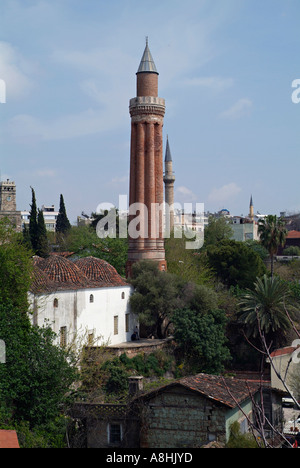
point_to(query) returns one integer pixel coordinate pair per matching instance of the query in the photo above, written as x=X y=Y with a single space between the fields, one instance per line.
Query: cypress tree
x=42 y=242
x=33 y=224
x=62 y=223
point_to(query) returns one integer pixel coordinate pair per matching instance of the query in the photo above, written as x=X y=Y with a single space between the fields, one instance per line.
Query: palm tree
x=265 y=307
x=272 y=233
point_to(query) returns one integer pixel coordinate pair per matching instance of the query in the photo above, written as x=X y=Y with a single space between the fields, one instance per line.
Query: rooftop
x=60 y=273
x=147 y=64
x=8 y=439
x=228 y=391
x=293 y=235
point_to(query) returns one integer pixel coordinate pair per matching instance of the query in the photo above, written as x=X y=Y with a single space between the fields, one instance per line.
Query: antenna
x=146 y=40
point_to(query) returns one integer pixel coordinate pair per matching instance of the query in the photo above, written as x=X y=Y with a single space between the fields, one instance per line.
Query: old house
x=195 y=410
x=85 y=298
x=189 y=412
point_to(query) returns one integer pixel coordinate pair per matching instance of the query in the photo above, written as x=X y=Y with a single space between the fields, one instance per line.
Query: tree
x=42 y=247
x=62 y=223
x=217 y=230
x=267 y=305
x=202 y=339
x=156 y=295
x=15 y=268
x=84 y=242
x=239 y=440
x=186 y=263
x=235 y=264
x=272 y=233
x=33 y=223
x=37 y=376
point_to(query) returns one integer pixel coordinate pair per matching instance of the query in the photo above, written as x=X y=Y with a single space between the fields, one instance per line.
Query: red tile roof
x=226 y=390
x=293 y=235
x=99 y=272
x=283 y=351
x=8 y=439
x=59 y=273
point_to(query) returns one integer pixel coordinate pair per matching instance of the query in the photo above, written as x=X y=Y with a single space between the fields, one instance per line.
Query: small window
x=91 y=298
x=55 y=303
x=123 y=295
x=63 y=336
x=115 y=433
x=116 y=325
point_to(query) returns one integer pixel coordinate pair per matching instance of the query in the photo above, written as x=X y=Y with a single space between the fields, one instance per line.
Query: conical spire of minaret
x=168 y=156
x=147 y=64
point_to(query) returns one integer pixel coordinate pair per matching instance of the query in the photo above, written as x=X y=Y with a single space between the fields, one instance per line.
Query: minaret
x=147 y=111
x=251 y=212
x=169 y=179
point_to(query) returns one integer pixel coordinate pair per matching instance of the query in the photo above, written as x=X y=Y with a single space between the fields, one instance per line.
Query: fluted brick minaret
x=147 y=111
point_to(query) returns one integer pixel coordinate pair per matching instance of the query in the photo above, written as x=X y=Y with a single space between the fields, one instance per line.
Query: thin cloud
x=185 y=195
x=240 y=109
x=15 y=71
x=224 y=194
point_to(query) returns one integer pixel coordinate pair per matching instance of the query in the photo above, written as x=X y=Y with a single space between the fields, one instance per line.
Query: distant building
x=244 y=229
x=50 y=217
x=8 y=204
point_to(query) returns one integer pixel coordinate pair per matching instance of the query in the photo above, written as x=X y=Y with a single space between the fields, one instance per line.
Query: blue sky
x=225 y=67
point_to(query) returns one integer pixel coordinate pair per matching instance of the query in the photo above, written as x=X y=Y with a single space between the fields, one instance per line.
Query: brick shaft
x=146 y=173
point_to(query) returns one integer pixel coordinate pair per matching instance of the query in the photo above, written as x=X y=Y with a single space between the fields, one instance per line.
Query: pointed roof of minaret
x=251 y=201
x=168 y=156
x=147 y=64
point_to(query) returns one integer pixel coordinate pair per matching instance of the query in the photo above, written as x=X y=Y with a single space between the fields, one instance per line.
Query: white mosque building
x=81 y=299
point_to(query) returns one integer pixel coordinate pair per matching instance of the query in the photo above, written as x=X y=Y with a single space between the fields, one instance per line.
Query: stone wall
x=180 y=418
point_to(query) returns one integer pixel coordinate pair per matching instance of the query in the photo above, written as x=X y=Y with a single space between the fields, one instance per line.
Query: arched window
x=91 y=298
x=55 y=303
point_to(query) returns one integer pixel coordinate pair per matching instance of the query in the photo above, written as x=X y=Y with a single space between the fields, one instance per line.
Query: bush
x=293 y=250
x=238 y=440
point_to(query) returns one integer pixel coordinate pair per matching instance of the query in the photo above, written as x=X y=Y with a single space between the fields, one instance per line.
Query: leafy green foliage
x=293 y=250
x=186 y=263
x=266 y=306
x=272 y=233
x=83 y=242
x=239 y=440
x=201 y=336
x=235 y=264
x=217 y=230
x=37 y=375
x=62 y=223
x=42 y=247
x=15 y=268
x=155 y=296
x=33 y=223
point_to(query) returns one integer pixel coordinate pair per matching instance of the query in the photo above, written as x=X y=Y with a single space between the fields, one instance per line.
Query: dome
x=99 y=272
x=40 y=281
x=62 y=271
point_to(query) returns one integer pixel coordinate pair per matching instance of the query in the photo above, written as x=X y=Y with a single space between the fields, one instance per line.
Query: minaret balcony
x=169 y=177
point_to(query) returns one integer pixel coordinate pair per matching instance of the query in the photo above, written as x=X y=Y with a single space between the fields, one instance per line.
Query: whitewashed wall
x=82 y=317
